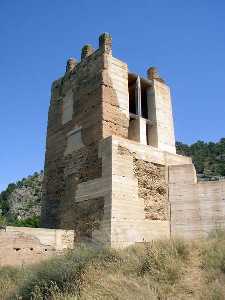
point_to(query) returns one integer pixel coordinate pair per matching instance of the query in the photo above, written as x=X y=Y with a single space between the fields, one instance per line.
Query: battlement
x=123 y=103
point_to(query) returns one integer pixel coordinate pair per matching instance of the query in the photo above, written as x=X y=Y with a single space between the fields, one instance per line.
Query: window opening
x=131 y=86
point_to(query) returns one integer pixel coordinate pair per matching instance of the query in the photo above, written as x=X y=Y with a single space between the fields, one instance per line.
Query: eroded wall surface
x=196 y=207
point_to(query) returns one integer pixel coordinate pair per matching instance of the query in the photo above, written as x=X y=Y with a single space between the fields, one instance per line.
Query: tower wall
x=71 y=149
x=89 y=103
x=115 y=98
x=161 y=133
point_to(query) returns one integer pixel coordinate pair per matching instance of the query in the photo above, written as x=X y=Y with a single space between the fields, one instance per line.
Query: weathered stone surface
x=152 y=188
x=88 y=217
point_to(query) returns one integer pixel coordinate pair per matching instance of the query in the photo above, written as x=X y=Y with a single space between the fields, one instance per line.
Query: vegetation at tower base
x=20 y=203
x=164 y=269
x=208 y=158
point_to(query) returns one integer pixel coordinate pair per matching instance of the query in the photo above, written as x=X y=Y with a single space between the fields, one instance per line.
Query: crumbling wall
x=88 y=217
x=84 y=163
x=80 y=166
x=152 y=189
x=152 y=186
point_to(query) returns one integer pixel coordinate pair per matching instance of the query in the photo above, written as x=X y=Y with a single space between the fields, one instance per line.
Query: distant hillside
x=208 y=158
x=20 y=203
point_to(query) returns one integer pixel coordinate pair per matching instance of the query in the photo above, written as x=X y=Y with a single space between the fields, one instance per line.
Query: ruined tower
x=110 y=144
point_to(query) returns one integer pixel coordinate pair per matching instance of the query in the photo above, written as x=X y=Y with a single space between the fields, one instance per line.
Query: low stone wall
x=23 y=245
x=196 y=207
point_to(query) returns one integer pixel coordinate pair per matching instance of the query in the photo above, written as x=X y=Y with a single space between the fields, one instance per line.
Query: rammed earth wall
x=78 y=120
x=197 y=208
x=23 y=245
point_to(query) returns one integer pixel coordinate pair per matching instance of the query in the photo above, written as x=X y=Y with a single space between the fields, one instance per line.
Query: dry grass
x=168 y=269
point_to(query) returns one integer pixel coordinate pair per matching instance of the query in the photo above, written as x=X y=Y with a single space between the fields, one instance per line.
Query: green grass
x=166 y=269
x=34 y=222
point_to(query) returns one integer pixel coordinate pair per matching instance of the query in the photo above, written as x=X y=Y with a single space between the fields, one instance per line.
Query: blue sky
x=184 y=39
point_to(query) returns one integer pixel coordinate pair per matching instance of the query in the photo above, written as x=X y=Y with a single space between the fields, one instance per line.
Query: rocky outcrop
x=23 y=201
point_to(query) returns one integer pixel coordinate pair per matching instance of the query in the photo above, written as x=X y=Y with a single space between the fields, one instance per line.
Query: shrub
x=167 y=269
x=164 y=260
x=213 y=253
x=34 y=222
x=63 y=274
x=10 y=279
x=2 y=221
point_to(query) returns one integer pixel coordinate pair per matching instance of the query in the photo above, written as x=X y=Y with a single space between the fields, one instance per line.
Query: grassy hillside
x=167 y=269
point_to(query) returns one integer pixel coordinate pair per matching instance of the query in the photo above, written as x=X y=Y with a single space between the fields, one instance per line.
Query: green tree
x=208 y=158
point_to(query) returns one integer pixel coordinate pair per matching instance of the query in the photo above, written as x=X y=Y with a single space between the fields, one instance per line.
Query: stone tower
x=93 y=180
x=110 y=144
